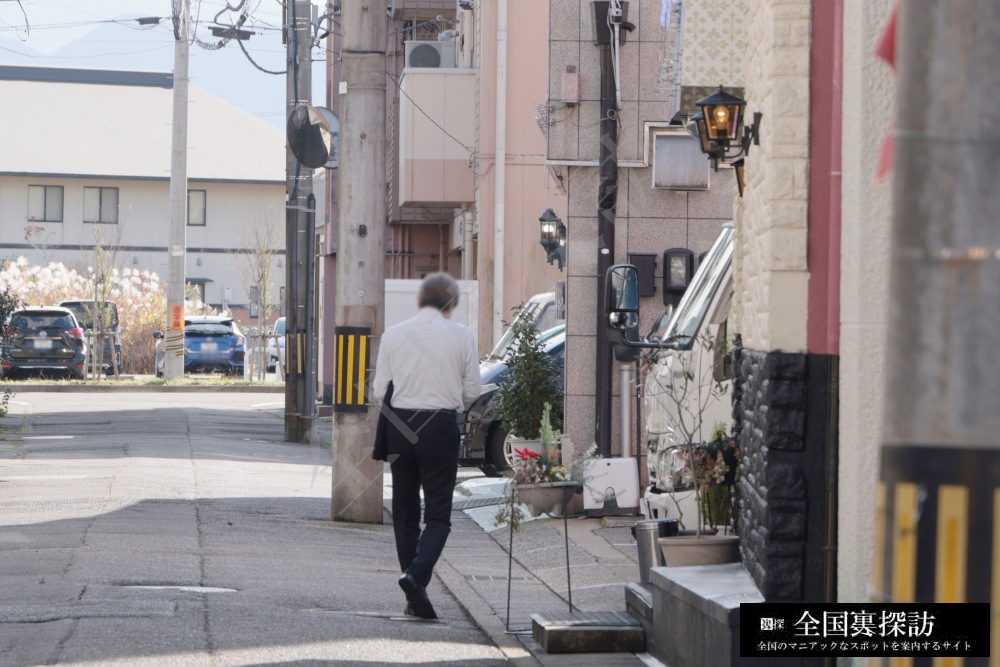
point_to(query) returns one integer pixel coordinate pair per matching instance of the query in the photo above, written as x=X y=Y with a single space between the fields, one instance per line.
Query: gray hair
x=439 y=290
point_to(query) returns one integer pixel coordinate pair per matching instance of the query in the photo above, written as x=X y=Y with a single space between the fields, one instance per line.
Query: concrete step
x=588 y=632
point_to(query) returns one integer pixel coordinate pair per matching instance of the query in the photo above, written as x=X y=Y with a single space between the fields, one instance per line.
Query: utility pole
x=173 y=344
x=941 y=449
x=300 y=403
x=360 y=317
x=607 y=198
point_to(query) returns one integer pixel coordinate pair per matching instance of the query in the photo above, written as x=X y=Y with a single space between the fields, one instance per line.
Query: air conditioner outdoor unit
x=430 y=54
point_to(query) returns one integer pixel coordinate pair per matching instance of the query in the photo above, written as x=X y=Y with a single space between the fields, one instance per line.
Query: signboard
x=176 y=318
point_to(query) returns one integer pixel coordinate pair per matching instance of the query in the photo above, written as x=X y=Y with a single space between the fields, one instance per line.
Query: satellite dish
x=313 y=136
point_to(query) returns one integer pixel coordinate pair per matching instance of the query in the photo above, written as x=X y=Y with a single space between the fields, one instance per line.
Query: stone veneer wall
x=772 y=273
x=782 y=424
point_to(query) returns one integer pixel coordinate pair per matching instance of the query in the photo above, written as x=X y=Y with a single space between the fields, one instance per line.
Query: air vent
x=431 y=55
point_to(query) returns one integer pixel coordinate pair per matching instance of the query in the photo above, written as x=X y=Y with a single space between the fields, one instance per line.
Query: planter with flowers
x=705 y=466
x=539 y=479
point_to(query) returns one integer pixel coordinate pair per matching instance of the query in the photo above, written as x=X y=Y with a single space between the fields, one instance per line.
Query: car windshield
x=279 y=326
x=209 y=329
x=687 y=321
x=83 y=311
x=36 y=321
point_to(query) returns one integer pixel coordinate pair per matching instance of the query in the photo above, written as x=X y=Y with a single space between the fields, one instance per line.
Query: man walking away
x=433 y=365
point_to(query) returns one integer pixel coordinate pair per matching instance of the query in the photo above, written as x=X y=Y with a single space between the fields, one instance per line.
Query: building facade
x=89 y=166
x=657 y=88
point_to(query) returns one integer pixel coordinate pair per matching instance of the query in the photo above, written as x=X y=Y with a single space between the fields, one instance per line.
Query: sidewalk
x=474 y=566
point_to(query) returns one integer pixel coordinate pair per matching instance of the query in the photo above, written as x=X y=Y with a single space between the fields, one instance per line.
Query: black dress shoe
x=417 y=597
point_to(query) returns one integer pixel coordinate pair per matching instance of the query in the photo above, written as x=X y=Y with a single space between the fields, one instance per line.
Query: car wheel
x=501 y=452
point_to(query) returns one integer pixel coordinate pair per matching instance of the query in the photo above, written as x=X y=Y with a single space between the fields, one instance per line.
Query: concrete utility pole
x=173 y=344
x=357 y=479
x=607 y=199
x=941 y=440
x=300 y=386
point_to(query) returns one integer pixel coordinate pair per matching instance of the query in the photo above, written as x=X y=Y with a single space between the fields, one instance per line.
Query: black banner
x=864 y=630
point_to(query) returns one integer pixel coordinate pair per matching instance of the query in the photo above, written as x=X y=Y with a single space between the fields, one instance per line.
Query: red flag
x=886 y=50
x=886 y=47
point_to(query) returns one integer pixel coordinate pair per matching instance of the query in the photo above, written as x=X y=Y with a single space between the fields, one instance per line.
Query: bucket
x=647 y=534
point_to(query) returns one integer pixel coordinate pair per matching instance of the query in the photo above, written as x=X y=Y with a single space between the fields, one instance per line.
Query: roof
x=111 y=124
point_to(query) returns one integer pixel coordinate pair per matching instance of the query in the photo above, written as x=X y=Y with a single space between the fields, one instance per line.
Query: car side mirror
x=157 y=334
x=622 y=297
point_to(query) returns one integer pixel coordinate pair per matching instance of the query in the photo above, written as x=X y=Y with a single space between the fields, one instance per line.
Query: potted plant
x=700 y=464
x=532 y=382
x=538 y=479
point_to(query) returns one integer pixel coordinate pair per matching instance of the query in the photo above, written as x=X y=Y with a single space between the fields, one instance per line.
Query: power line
x=458 y=141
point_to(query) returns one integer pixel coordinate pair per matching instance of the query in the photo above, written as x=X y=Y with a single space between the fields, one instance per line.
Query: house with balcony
x=86 y=162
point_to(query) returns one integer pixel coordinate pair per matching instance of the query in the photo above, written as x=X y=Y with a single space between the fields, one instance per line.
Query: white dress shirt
x=433 y=364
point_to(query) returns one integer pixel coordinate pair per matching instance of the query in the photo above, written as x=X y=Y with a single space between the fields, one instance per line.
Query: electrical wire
x=27 y=24
x=472 y=151
x=253 y=62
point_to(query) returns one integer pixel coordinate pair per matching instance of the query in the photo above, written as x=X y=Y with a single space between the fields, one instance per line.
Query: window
x=196 y=207
x=195 y=291
x=100 y=205
x=45 y=203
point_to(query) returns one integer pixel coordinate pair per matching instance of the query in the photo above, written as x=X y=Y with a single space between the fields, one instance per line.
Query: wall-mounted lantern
x=719 y=128
x=553 y=237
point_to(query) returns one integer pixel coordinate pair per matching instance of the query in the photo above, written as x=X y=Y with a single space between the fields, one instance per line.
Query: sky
x=103 y=34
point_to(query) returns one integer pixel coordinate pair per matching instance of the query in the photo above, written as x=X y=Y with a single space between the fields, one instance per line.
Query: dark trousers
x=431 y=464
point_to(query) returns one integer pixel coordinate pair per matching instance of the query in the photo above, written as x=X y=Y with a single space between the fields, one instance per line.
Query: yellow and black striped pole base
x=938 y=518
x=351 y=359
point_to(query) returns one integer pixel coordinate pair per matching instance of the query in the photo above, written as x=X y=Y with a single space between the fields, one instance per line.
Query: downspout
x=466 y=243
x=500 y=165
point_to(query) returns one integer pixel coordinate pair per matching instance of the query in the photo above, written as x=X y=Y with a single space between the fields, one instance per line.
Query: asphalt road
x=178 y=529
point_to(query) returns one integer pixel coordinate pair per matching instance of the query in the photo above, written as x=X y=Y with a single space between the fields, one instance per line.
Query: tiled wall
x=648 y=221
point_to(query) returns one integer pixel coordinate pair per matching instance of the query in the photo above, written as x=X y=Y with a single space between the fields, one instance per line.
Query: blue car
x=484 y=440
x=212 y=344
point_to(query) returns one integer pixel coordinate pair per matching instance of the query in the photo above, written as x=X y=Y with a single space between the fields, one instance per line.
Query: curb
x=483 y=615
x=111 y=387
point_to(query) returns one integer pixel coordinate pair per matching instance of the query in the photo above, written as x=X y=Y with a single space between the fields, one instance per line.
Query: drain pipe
x=500 y=165
x=466 y=243
x=625 y=401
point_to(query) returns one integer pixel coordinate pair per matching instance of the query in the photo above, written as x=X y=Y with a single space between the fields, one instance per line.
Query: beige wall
x=434 y=165
x=529 y=188
x=771 y=269
x=144 y=227
x=869 y=94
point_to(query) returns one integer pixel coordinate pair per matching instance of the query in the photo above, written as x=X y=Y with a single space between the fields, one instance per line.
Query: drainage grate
x=490 y=577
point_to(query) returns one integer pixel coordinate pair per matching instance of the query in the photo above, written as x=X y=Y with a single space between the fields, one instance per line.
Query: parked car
x=275 y=348
x=45 y=340
x=85 y=311
x=485 y=441
x=541 y=310
x=212 y=344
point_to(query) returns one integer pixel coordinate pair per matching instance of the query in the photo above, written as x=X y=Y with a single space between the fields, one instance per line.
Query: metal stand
x=567 y=491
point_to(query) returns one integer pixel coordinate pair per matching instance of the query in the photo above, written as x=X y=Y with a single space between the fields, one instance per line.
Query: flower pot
x=705 y=550
x=546 y=497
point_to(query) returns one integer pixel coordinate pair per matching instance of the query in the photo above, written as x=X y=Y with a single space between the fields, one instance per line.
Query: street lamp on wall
x=719 y=128
x=553 y=237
